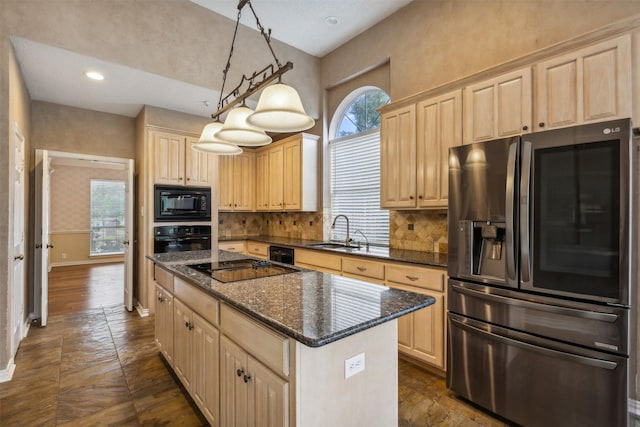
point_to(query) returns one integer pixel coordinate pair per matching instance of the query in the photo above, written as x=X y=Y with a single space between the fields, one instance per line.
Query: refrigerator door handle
x=555 y=309
x=525 y=185
x=584 y=360
x=509 y=208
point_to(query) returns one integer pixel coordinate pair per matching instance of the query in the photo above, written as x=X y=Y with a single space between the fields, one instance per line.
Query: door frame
x=128 y=165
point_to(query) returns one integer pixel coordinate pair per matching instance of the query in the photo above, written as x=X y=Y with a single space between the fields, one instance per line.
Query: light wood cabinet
x=176 y=163
x=287 y=175
x=498 y=107
x=236 y=182
x=587 y=85
x=439 y=127
x=258 y=249
x=197 y=346
x=421 y=334
x=262 y=181
x=164 y=323
x=238 y=246
x=398 y=158
x=414 y=156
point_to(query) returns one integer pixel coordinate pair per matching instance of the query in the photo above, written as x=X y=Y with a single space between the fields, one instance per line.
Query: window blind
x=355 y=188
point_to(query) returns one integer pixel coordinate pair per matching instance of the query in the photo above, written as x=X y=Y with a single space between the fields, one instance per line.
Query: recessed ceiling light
x=94 y=75
x=331 y=20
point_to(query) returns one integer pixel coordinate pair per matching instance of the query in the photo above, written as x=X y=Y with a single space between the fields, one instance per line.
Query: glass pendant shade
x=236 y=130
x=280 y=110
x=209 y=143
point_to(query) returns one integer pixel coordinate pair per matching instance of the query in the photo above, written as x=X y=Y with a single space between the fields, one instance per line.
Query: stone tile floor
x=101 y=367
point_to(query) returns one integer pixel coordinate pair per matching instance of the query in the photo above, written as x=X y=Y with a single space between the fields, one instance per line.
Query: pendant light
x=209 y=143
x=236 y=130
x=280 y=110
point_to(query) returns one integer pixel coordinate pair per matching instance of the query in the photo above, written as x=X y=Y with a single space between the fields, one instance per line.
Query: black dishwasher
x=281 y=254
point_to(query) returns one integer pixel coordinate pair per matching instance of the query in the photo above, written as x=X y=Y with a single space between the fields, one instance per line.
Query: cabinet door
x=243 y=180
x=439 y=122
x=233 y=389
x=164 y=323
x=398 y=158
x=225 y=183
x=268 y=400
x=276 y=178
x=200 y=169
x=428 y=332
x=182 y=342
x=262 y=180
x=292 y=175
x=589 y=85
x=205 y=362
x=169 y=158
x=498 y=107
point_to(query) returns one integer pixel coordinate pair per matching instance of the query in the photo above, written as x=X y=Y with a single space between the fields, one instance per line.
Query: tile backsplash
x=411 y=230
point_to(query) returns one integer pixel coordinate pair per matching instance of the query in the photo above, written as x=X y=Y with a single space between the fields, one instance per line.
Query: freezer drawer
x=591 y=325
x=534 y=381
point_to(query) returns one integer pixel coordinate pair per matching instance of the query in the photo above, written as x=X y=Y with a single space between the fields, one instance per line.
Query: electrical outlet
x=353 y=365
x=63 y=255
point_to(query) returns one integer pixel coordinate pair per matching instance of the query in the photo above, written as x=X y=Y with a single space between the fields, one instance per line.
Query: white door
x=41 y=230
x=18 y=288
x=129 y=191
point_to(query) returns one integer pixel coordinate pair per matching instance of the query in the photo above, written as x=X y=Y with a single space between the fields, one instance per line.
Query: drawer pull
x=412 y=278
x=361 y=268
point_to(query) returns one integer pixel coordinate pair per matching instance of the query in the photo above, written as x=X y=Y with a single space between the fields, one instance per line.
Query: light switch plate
x=353 y=365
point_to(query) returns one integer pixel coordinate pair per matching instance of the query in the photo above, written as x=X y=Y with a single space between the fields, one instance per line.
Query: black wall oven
x=180 y=238
x=175 y=203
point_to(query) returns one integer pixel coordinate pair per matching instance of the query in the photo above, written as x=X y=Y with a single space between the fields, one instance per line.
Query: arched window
x=354 y=150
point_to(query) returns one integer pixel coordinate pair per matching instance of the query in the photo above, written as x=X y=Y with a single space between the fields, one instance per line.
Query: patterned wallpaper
x=70 y=195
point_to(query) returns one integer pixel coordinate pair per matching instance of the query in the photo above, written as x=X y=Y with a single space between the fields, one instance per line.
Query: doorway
x=70 y=244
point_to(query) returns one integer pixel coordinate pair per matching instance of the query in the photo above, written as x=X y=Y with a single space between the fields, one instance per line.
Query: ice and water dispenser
x=481 y=250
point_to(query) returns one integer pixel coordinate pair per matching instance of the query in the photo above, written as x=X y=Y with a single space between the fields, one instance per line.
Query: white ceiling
x=56 y=75
x=302 y=23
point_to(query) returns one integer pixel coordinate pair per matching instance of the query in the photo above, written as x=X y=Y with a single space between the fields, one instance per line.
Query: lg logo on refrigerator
x=607 y=131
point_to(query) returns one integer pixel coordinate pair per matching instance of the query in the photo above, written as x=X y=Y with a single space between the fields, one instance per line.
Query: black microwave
x=174 y=203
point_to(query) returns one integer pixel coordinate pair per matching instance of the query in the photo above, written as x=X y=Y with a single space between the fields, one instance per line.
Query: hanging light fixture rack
x=268 y=73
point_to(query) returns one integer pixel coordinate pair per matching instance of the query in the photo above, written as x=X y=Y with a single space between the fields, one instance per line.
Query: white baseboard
x=634 y=407
x=143 y=312
x=7 y=374
x=84 y=262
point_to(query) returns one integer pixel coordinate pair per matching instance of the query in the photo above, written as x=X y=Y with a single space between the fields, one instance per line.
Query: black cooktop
x=241 y=269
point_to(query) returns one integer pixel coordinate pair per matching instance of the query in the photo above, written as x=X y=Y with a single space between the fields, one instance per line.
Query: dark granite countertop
x=311 y=307
x=434 y=259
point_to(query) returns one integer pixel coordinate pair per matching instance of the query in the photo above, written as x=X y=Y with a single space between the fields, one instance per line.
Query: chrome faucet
x=333 y=226
x=366 y=241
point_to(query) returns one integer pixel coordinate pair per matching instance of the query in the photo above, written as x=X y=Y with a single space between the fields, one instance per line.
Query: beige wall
x=430 y=43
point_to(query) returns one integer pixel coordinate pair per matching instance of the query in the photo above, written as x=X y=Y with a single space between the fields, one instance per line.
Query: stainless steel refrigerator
x=543 y=267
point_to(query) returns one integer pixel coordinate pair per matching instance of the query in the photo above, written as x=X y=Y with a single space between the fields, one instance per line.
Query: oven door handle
x=584 y=360
x=592 y=315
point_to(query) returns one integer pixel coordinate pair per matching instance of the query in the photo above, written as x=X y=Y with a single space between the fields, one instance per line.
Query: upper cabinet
x=498 y=107
x=588 y=85
x=287 y=175
x=236 y=182
x=176 y=163
x=415 y=142
x=398 y=158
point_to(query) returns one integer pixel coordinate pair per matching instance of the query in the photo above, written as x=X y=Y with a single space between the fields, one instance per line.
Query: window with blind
x=355 y=188
x=107 y=217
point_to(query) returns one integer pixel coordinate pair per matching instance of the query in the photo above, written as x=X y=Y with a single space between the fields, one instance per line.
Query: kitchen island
x=303 y=348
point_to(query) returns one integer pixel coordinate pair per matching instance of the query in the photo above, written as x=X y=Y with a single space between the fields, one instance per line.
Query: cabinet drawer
x=419 y=277
x=318 y=259
x=237 y=246
x=258 y=248
x=163 y=277
x=372 y=269
x=205 y=305
x=267 y=346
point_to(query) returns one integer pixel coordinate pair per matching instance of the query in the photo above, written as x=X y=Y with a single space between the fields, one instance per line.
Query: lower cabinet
x=164 y=323
x=250 y=393
x=196 y=359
